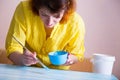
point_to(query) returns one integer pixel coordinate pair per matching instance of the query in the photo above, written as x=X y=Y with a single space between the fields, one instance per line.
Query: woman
x=44 y=26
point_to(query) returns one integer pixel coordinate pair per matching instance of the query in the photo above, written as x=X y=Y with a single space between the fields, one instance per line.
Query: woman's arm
x=25 y=59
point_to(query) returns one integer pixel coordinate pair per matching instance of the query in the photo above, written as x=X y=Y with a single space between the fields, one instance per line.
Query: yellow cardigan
x=29 y=29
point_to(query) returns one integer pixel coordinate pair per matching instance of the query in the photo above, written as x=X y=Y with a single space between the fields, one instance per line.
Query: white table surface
x=12 y=72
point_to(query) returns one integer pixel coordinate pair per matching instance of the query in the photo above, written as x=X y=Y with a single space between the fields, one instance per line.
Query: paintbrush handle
x=20 y=42
x=44 y=66
x=35 y=57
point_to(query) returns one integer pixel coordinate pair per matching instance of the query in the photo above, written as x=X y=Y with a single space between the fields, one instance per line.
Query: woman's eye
x=43 y=14
x=57 y=16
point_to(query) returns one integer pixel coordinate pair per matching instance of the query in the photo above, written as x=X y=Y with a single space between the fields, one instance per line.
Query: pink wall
x=7 y=8
x=102 y=20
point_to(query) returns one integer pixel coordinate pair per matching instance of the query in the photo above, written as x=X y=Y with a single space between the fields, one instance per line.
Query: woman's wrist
x=15 y=57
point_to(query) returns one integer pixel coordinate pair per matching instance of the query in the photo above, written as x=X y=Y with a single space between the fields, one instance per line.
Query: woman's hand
x=26 y=59
x=29 y=58
x=71 y=59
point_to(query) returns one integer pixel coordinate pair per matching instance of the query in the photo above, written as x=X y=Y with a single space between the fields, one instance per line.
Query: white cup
x=103 y=63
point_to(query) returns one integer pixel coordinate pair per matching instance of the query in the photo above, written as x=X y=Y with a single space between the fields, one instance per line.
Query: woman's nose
x=50 y=20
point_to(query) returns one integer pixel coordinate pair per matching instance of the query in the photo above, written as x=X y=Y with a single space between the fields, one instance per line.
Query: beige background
x=102 y=20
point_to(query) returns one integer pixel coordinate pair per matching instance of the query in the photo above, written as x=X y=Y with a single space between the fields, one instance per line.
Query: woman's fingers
x=71 y=59
x=69 y=62
x=28 y=62
x=28 y=53
x=29 y=58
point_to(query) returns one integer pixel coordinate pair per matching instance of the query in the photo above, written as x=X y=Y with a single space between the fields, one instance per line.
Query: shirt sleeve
x=18 y=29
x=76 y=44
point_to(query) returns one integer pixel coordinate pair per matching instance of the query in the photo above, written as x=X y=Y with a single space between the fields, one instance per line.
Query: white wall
x=102 y=20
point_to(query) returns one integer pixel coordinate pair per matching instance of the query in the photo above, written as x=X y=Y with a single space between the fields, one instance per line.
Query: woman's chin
x=49 y=26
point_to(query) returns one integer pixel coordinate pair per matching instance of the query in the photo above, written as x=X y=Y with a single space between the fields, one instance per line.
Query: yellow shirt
x=29 y=29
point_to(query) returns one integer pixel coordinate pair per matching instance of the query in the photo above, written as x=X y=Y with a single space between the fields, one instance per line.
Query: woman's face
x=50 y=19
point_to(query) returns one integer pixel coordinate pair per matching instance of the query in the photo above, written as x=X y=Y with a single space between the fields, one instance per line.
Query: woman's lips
x=49 y=25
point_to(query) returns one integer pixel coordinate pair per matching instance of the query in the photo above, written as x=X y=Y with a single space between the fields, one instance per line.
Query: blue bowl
x=58 y=57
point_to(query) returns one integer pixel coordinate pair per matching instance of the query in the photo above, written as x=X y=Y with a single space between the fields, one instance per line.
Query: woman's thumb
x=34 y=54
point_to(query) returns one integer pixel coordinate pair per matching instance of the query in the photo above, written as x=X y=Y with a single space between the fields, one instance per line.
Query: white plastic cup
x=103 y=63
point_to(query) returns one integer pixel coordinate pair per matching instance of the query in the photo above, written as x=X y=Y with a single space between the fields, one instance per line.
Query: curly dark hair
x=55 y=6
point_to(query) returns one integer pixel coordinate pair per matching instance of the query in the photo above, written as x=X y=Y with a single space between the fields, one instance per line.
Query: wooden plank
x=83 y=66
x=3 y=57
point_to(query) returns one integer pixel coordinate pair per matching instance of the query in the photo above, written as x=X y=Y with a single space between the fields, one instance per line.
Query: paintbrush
x=44 y=66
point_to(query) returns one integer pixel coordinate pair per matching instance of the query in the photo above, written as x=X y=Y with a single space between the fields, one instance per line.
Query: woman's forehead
x=44 y=10
x=47 y=11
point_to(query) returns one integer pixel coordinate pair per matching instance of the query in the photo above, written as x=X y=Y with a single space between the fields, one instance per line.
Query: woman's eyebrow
x=41 y=11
